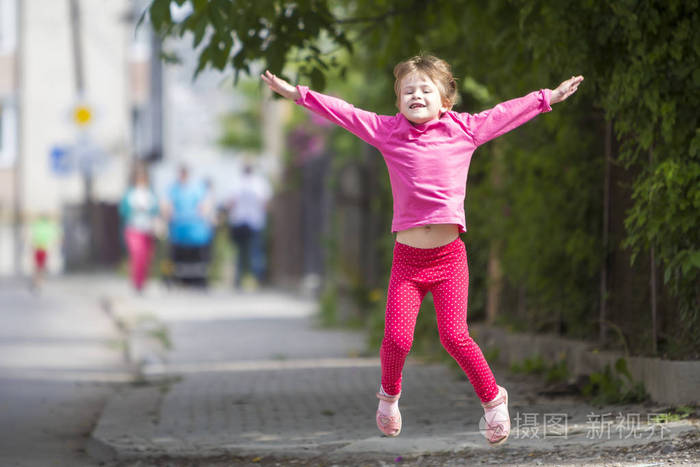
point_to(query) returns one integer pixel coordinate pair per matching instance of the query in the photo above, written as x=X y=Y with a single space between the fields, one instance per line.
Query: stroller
x=186 y=265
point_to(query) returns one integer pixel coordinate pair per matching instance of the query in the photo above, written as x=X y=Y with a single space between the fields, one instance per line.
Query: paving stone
x=255 y=375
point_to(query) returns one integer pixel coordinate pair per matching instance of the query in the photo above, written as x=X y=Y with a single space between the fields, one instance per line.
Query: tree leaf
x=160 y=14
x=318 y=79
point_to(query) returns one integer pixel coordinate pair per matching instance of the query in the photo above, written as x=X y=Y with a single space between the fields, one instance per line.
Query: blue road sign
x=61 y=160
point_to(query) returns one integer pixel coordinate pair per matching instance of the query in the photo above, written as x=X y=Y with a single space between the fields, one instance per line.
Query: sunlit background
x=583 y=225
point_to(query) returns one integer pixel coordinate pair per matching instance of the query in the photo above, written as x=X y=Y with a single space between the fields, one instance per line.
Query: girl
x=427 y=148
x=139 y=210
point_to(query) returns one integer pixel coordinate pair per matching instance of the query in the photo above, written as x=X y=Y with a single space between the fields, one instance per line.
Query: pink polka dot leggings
x=444 y=272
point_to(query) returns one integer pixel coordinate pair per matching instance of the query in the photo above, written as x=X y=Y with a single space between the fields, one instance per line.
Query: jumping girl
x=427 y=148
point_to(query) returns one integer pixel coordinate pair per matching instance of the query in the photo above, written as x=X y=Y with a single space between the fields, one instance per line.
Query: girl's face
x=420 y=100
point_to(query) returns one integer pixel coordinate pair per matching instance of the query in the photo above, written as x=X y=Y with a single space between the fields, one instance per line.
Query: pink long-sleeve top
x=427 y=163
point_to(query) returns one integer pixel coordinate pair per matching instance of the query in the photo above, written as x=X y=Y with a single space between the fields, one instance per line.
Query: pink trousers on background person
x=444 y=272
x=140 y=246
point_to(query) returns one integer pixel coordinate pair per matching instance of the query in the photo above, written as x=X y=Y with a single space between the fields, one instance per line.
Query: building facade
x=59 y=58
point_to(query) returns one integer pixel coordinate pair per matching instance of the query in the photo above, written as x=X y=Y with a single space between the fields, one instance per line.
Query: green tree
x=640 y=60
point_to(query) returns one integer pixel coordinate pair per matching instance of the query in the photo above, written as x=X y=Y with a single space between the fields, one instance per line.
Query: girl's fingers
x=268 y=77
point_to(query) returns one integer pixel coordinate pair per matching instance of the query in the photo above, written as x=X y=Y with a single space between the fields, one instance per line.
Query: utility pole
x=77 y=47
x=156 y=98
x=79 y=75
x=19 y=160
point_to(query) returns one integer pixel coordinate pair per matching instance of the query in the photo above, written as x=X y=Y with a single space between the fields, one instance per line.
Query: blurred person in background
x=188 y=209
x=247 y=205
x=44 y=233
x=209 y=213
x=139 y=212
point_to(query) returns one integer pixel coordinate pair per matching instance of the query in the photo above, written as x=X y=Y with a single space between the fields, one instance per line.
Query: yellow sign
x=82 y=115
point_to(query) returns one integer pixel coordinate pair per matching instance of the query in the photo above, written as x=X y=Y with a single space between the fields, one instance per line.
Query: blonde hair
x=438 y=70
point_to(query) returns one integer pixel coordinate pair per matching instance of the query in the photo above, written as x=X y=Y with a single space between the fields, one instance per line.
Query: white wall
x=49 y=94
x=46 y=99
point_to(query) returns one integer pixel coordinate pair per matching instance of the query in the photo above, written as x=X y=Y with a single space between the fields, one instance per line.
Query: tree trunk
x=495 y=281
x=652 y=280
x=495 y=273
x=606 y=228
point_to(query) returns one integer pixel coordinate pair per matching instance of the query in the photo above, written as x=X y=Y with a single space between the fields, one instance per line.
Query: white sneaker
x=495 y=424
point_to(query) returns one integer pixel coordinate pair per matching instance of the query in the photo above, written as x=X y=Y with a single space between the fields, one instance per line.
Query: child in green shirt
x=44 y=233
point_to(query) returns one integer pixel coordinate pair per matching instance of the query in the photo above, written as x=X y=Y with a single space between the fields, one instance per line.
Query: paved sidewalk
x=250 y=376
x=59 y=364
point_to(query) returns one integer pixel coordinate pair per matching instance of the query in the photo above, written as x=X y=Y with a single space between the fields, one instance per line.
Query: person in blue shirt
x=188 y=209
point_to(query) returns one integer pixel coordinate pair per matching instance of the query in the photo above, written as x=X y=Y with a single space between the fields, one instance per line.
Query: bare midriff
x=428 y=236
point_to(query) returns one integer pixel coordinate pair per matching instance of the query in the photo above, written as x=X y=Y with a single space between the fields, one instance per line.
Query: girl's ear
x=446 y=104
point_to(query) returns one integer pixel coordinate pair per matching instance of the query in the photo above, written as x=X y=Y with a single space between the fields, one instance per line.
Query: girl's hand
x=565 y=89
x=280 y=86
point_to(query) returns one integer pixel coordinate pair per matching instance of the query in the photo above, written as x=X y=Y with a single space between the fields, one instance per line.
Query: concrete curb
x=144 y=441
x=119 y=413
x=144 y=336
x=666 y=381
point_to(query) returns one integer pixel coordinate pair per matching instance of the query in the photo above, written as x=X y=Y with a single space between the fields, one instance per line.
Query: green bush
x=530 y=365
x=614 y=386
x=535 y=364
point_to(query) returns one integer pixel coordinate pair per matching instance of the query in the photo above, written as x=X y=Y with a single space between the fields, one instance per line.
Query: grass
x=677 y=414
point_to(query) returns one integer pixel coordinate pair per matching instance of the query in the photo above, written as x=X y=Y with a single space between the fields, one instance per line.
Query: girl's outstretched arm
x=280 y=86
x=508 y=115
x=565 y=89
x=366 y=125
